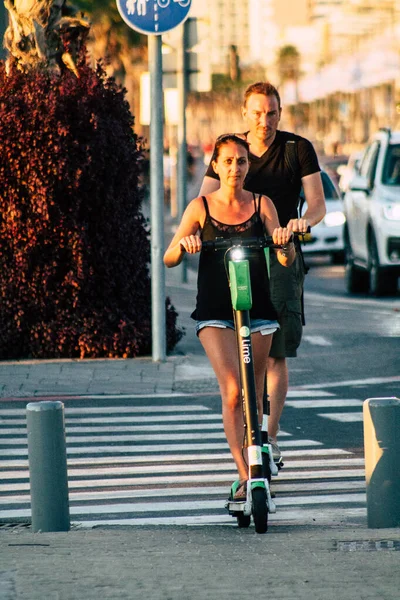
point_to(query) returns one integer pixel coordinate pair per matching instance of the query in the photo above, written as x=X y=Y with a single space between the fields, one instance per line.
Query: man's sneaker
x=276 y=453
x=241 y=492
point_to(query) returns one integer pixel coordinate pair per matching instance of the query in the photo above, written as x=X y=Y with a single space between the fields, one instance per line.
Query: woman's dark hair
x=229 y=137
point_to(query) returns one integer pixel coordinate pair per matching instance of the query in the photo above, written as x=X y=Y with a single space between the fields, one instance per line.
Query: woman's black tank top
x=213 y=294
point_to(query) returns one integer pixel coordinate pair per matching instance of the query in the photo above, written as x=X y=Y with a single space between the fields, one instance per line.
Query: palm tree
x=288 y=64
x=123 y=50
x=288 y=61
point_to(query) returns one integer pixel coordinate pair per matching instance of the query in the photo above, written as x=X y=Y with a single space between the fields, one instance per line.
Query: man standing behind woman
x=273 y=174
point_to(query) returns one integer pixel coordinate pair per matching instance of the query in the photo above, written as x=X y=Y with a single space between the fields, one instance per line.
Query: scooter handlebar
x=256 y=243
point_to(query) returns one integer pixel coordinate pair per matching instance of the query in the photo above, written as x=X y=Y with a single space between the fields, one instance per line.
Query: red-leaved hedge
x=74 y=248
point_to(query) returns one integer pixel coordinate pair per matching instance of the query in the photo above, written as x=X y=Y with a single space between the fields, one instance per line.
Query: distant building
x=348 y=77
x=228 y=25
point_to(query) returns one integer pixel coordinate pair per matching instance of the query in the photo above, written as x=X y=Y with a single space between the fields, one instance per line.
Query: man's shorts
x=286 y=284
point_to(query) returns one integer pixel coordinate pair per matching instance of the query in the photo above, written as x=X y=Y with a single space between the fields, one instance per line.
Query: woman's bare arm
x=185 y=238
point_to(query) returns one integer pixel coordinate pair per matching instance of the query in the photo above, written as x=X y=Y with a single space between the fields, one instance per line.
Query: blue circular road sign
x=153 y=16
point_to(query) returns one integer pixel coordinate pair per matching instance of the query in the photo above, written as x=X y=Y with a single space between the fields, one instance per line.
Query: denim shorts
x=264 y=326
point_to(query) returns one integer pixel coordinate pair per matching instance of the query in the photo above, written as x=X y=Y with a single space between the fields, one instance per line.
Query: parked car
x=372 y=209
x=327 y=236
x=348 y=171
x=333 y=165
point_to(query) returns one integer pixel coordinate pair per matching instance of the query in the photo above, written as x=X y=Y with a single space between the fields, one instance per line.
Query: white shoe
x=276 y=453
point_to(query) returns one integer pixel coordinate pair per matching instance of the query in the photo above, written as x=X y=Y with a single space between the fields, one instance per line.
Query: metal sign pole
x=155 y=18
x=158 y=319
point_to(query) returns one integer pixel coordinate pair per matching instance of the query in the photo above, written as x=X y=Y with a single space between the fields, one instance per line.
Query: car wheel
x=356 y=279
x=381 y=282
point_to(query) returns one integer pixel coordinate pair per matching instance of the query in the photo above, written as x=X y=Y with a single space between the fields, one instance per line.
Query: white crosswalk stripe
x=317 y=340
x=119 y=473
x=330 y=403
x=349 y=417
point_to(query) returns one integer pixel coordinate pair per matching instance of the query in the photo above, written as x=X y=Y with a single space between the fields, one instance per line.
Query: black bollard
x=382 y=451
x=48 y=466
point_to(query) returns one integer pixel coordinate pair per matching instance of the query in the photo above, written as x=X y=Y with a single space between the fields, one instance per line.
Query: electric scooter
x=258 y=503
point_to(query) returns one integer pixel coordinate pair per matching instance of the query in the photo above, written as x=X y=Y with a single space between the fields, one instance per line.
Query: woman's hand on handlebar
x=283 y=237
x=191 y=244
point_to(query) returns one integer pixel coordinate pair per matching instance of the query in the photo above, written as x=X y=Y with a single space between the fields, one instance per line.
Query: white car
x=327 y=236
x=372 y=209
x=348 y=171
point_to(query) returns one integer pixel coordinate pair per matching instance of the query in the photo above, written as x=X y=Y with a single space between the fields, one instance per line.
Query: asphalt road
x=350 y=349
x=346 y=337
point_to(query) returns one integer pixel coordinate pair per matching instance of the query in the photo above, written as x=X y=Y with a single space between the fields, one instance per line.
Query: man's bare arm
x=315 y=198
x=209 y=185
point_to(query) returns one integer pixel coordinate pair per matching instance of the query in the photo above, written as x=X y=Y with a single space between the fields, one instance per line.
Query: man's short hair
x=261 y=87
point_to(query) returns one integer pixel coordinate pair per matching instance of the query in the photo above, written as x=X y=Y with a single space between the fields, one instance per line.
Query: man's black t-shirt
x=270 y=175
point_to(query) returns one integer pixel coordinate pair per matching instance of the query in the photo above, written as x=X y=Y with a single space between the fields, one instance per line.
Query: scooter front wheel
x=260 y=509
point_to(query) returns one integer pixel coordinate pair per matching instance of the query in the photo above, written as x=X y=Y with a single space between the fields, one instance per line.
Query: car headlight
x=392 y=212
x=334 y=219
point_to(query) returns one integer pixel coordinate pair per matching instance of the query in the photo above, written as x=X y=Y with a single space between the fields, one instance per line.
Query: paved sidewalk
x=186 y=369
x=200 y=563
x=88 y=378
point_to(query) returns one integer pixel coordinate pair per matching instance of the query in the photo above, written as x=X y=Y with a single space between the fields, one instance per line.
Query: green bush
x=74 y=248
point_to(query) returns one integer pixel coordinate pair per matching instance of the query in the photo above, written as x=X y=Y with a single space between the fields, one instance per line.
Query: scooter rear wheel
x=243 y=521
x=260 y=509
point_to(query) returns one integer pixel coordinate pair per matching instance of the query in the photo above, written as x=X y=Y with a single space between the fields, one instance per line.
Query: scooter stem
x=246 y=366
